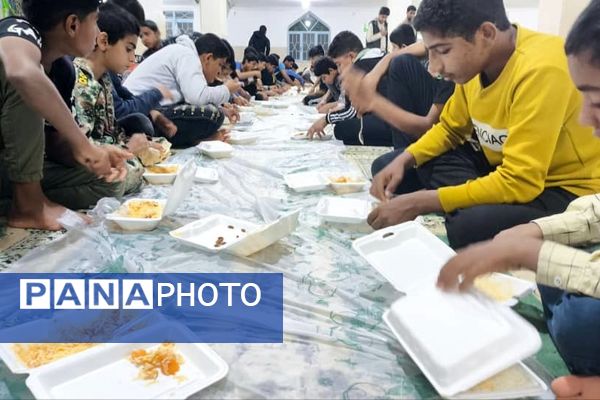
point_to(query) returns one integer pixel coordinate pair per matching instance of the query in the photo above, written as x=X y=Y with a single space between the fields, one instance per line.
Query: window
x=306 y=32
x=179 y=22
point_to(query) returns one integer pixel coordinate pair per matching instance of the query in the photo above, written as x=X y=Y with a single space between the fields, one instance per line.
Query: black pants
x=194 y=124
x=375 y=131
x=475 y=224
x=137 y=123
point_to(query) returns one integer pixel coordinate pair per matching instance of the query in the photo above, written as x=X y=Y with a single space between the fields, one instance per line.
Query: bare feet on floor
x=31 y=209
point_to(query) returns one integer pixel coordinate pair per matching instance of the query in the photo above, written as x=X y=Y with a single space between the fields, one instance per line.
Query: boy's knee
x=576 y=334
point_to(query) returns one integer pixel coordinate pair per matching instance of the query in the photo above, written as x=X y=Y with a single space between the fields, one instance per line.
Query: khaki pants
x=22 y=143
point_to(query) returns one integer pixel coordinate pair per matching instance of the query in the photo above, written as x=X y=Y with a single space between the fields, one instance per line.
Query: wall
x=524 y=16
x=242 y=21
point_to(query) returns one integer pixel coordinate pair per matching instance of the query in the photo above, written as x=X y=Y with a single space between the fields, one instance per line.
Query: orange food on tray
x=164 y=359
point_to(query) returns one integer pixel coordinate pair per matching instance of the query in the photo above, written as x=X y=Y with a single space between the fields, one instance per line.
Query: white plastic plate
x=136 y=224
x=205 y=233
x=356 y=183
x=161 y=179
x=407 y=255
x=206 y=175
x=516 y=382
x=344 y=211
x=216 y=149
x=306 y=181
x=243 y=137
x=459 y=340
x=107 y=373
x=246 y=117
x=304 y=136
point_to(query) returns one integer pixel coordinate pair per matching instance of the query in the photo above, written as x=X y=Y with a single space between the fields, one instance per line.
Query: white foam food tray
x=240 y=138
x=304 y=136
x=106 y=373
x=206 y=175
x=136 y=224
x=459 y=340
x=14 y=363
x=220 y=233
x=306 y=181
x=216 y=149
x=344 y=211
x=161 y=179
x=410 y=257
x=353 y=183
x=516 y=382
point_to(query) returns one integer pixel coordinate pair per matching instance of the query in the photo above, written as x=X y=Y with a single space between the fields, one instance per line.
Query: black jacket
x=260 y=42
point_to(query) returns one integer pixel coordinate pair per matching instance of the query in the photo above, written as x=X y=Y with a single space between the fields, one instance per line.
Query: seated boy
x=92 y=95
x=187 y=69
x=28 y=95
x=569 y=278
x=538 y=158
x=413 y=103
x=326 y=71
x=347 y=50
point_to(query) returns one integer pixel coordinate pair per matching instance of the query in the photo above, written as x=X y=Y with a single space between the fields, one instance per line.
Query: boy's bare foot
x=31 y=209
x=164 y=124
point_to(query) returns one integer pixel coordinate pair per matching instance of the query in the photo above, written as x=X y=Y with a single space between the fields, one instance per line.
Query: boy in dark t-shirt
x=27 y=96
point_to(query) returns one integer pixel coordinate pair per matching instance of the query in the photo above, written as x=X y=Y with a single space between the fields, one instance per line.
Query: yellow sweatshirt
x=527 y=124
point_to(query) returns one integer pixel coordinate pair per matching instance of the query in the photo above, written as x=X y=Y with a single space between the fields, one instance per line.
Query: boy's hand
x=166 y=93
x=231 y=112
x=118 y=157
x=233 y=86
x=387 y=180
x=102 y=161
x=139 y=142
x=240 y=101
x=499 y=255
x=318 y=128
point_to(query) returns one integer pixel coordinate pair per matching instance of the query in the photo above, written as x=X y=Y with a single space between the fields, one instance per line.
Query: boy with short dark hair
x=568 y=278
x=93 y=99
x=347 y=50
x=326 y=70
x=27 y=95
x=377 y=31
x=187 y=69
x=536 y=158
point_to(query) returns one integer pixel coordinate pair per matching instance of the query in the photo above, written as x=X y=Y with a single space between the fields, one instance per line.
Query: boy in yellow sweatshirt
x=515 y=98
x=568 y=278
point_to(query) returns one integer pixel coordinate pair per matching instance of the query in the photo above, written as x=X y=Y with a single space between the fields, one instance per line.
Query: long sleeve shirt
x=565 y=267
x=127 y=103
x=527 y=124
x=178 y=68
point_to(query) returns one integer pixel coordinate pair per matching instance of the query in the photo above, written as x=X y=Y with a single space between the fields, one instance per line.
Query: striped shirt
x=565 y=267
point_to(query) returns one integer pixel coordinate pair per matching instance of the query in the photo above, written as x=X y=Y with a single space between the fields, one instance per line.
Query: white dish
x=14 y=363
x=344 y=211
x=205 y=233
x=179 y=191
x=304 y=136
x=355 y=184
x=136 y=224
x=264 y=111
x=459 y=340
x=239 y=237
x=407 y=255
x=306 y=182
x=216 y=149
x=241 y=138
x=246 y=117
x=206 y=175
x=246 y=108
x=106 y=373
x=161 y=179
x=516 y=382
x=275 y=104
